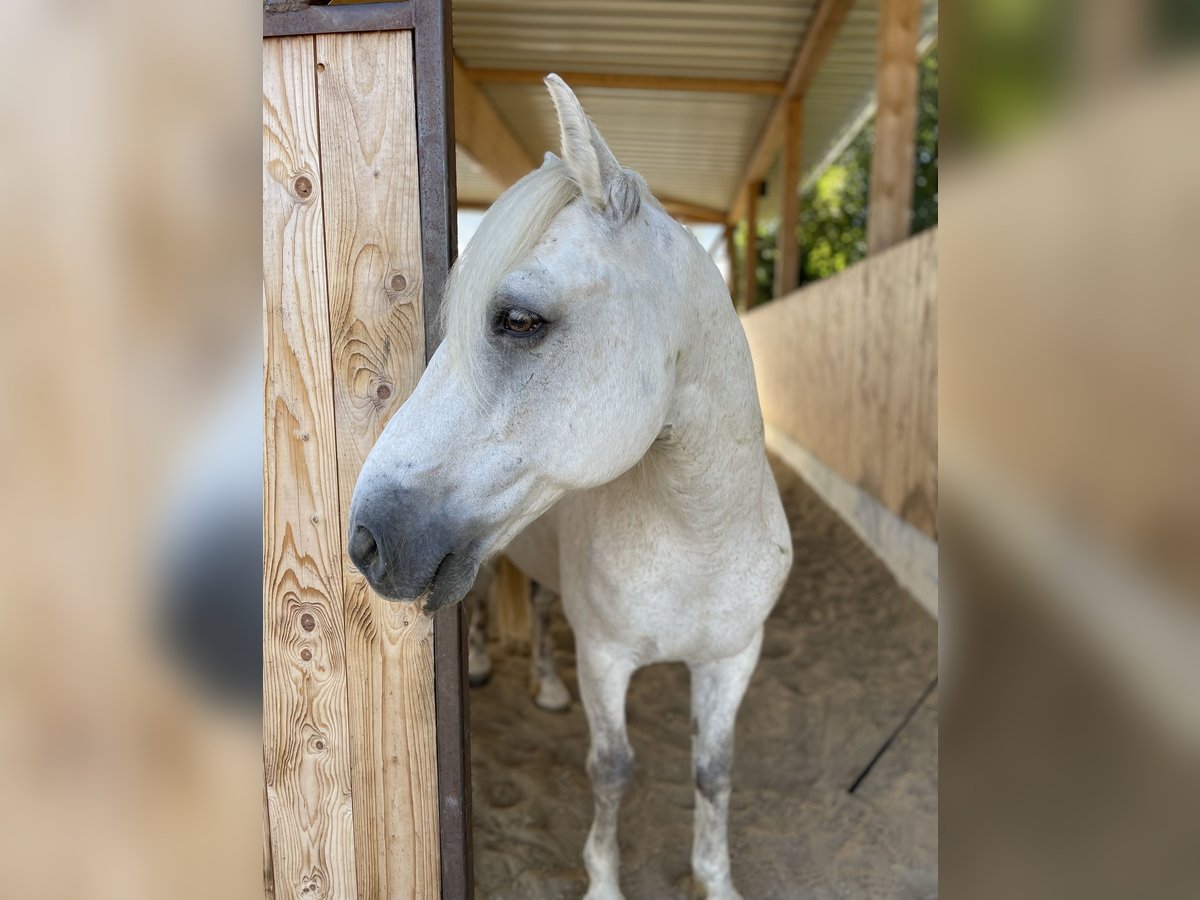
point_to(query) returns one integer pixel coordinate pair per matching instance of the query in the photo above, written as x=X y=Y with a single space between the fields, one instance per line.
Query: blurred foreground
x=1069 y=430
x=130 y=191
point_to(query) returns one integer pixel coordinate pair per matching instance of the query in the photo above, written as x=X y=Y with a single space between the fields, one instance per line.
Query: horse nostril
x=363 y=549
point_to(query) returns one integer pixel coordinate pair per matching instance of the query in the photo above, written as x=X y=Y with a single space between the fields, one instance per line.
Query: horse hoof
x=553 y=696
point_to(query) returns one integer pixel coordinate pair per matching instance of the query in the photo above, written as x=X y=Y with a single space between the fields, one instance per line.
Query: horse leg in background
x=479 y=664
x=717 y=691
x=604 y=674
x=547 y=687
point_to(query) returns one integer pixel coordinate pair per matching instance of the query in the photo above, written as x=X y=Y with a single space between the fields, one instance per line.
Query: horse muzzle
x=411 y=551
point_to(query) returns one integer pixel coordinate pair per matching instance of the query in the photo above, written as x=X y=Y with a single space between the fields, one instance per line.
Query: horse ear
x=588 y=158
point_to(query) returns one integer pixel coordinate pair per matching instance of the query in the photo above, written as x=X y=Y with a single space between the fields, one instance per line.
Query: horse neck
x=710 y=458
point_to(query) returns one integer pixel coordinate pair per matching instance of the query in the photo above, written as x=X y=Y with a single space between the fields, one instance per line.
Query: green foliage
x=832 y=225
x=925 y=188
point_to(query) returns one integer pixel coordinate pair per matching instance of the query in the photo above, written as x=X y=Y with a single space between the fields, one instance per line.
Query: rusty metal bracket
x=289 y=17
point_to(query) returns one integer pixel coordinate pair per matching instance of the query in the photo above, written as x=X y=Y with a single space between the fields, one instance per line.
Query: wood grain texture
x=268 y=862
x=847 y=369
x=889 y=207
x=305 y=717
x=373 y=234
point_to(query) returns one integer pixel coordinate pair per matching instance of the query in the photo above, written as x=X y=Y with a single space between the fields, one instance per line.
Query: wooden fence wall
x=349 y=732
x=847 y=370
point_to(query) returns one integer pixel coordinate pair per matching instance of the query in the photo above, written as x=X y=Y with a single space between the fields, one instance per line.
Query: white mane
x=510 y=230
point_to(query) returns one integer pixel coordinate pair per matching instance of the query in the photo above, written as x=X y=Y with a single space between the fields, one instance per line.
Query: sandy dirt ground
x=848 y=668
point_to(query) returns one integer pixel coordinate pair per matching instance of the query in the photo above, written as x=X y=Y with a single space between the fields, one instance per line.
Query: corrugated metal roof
x=702 y=38
x=690 y=146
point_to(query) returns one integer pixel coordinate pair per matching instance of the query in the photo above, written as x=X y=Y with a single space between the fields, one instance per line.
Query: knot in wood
x=302 y=186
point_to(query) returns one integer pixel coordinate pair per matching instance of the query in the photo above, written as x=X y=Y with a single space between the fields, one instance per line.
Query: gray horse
x=593 y=410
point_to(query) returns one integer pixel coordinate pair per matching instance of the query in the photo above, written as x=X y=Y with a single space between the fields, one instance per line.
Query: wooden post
x=372 y=205
x=731 y=276
x=889 y=211
x=365 y=741
x=750 y=269
x=509 y=606
x=787 y=254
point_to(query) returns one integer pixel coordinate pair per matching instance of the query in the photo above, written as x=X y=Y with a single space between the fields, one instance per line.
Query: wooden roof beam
x=679 y=209
x=482 y=133
x=691 y=212
x=632 y=82
x=822 y=29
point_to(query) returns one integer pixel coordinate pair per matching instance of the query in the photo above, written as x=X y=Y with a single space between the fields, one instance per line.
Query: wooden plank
x=818 y=38
x=750 y=268
x=631 y=82
x=305 y=718
x=373 y=238
x=787 y=258
x=481 y=132
x=847 y=370
x=889 y=208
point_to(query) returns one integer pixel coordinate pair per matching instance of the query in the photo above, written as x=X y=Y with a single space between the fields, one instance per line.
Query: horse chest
x=653 y=589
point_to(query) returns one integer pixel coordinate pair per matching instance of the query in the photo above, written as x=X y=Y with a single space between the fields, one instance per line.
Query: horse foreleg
x=717 y=691
x=603 y=683
x=549 y=692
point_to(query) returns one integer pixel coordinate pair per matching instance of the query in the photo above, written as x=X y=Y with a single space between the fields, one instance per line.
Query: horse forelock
x=508 y=233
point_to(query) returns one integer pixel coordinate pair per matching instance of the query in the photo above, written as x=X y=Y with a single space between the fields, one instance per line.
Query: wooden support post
x=787 y=253
x=365 y=741
x=750 y=269
x=731 y=275
x=509 y=606
x=889 y=210
x=822 y=30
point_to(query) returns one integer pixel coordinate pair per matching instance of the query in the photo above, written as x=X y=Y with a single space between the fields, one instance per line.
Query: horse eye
x=520 y=321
